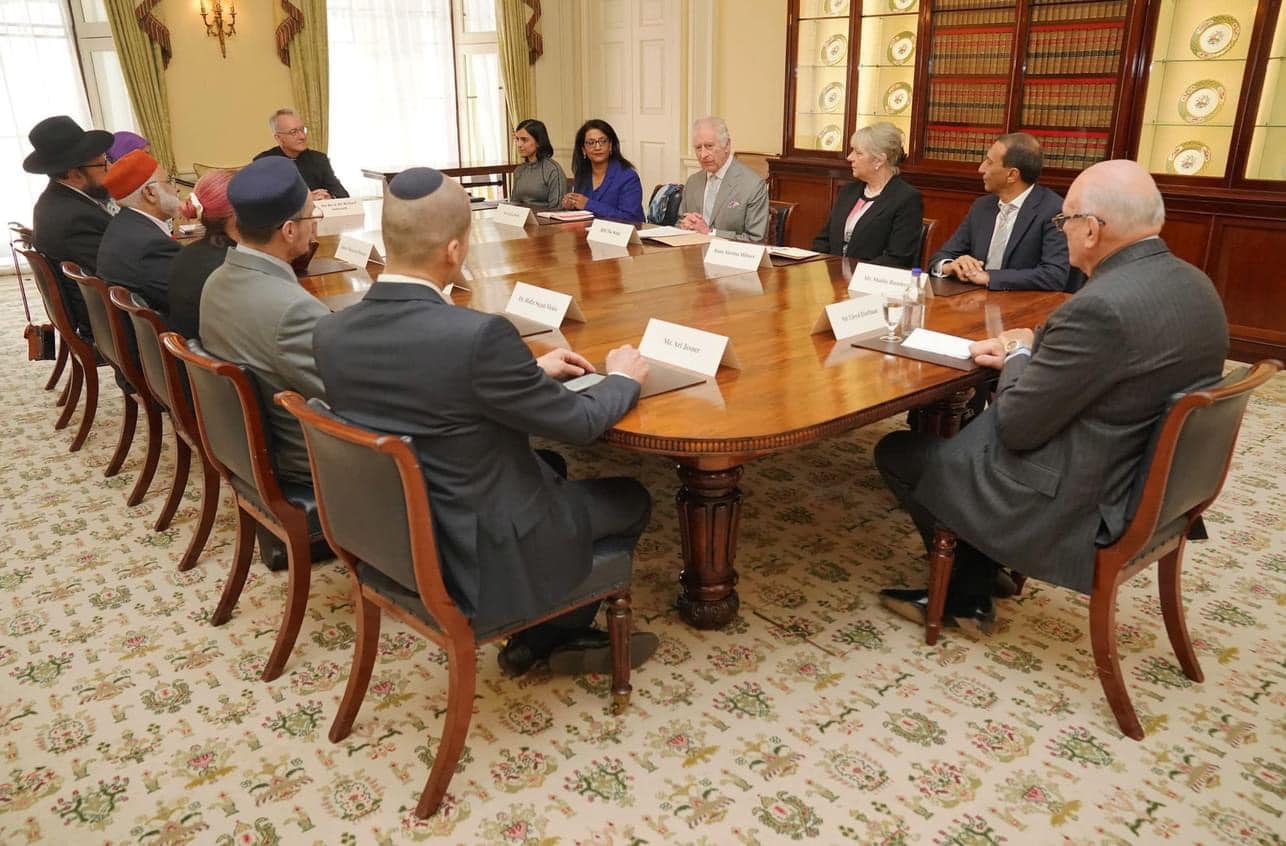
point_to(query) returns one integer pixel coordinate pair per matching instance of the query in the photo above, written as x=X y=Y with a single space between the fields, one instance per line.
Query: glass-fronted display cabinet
x=822 y=54
x=1267 y=159
x=886 y=62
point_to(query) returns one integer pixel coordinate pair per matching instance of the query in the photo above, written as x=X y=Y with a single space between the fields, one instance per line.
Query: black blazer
x=888 y=234
x=1036 y=255
x=69 y=226
x=466 y=389
x=136 y=254
x=192 y=266
x=315 y=168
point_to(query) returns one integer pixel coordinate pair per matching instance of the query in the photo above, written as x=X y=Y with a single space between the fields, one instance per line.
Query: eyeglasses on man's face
x=317 y=214
x=1060 y=220
x=103 y=164
x=297 y=132
x=595 y=143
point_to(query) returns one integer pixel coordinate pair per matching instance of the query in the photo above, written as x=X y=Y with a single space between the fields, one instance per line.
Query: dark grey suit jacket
x=256 y=314
x=466 y=389
x=136 y=254
x=1046 y=471
x=68 y=226
x=1036 y=255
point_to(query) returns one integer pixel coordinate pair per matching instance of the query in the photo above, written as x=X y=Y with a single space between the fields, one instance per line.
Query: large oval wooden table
x=793 y=387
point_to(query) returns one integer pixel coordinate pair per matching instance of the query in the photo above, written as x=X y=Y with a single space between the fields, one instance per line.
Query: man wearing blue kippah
x=253 y=310
x=515 y=537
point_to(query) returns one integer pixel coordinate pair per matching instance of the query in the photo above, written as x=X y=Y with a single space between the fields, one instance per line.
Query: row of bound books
x=953 y=5
x=1075 y=152
x=950 y=144
x=985 y=53
x=1072 y=104
x=1055 y=51
x=975 y=17
x=967 y=102
x=1080 y=11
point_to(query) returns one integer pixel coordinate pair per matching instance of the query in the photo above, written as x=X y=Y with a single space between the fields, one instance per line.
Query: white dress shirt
x=163 y=225
x=1015 y=205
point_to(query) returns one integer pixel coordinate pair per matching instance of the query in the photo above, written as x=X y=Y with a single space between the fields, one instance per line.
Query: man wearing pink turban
x=195 y=262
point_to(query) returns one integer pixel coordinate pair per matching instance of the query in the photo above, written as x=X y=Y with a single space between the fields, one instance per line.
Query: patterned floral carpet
x=126 y=718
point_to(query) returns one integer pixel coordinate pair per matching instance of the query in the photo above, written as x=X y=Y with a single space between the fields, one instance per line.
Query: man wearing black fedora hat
x=69 y=218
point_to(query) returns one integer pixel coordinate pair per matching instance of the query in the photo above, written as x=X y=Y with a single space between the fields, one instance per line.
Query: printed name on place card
x=852 y=317
x=542 y=305
x=877 y=279
x=687 y=348
x=611 y=232
x=511 y=215
x=340 y=207
x=355 y=251
x=742 y=256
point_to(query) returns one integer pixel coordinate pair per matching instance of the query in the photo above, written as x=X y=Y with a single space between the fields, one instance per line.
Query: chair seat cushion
x=300 y=496
x=611 y=572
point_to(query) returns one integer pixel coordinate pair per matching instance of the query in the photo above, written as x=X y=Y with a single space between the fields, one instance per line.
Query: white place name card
x=687 y=348
x=851 y=317
x=877 y=279
x=742 y=256
x=357 y=252
x=542 y=305
x=340 y=207
x=613 y=233
x=511 y=215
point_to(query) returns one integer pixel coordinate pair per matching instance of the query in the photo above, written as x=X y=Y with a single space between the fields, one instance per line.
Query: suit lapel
x=879 y=208
x=722 y=192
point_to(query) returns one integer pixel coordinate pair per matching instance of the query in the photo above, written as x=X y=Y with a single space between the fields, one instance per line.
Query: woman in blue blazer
x=603 y=182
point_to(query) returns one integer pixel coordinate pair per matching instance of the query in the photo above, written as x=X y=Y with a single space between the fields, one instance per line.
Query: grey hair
x=881 y=139
x=1127 y=211
x=135 y=197
x=719 y=126
x=272 y=121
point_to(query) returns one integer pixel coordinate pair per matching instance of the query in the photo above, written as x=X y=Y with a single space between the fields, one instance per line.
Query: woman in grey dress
x=539 y=181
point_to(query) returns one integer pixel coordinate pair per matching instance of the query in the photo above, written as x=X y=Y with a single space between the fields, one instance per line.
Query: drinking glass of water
x=894 y=305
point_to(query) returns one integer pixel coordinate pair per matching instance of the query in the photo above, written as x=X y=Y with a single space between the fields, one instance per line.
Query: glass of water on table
x=894 y=307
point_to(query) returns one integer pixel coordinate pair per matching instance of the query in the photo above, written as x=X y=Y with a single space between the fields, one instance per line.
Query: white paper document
x=926 y=340
x=662 y=232
x=792 y=252
x=565 y=216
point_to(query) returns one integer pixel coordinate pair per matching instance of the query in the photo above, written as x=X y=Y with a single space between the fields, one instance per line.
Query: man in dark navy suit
x=1008 y=241
x=137 y=249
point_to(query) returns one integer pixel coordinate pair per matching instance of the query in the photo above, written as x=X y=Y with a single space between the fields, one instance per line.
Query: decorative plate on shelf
x=1201 y=101
x=828 y=138
x=901 y=5
x=835 y=7
x=834 y=50
x=897 y=98
x=1188 y=159
x=831 y=98
x=902 y=48
x=1214 y=36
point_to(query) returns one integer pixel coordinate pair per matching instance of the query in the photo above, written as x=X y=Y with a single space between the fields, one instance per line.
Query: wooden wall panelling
x=1188 y=236
x=1246 y=269
x=815 y=195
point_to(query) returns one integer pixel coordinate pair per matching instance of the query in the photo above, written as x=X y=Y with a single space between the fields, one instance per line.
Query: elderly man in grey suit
x=1045 y=473
x=253 y=310
x=514 y=536
x=725 y=198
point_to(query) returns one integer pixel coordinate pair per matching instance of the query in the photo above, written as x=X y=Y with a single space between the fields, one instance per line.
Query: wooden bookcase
x=1193 y=89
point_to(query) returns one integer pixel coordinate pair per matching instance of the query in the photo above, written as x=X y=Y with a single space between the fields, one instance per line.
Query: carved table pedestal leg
x=709 y=504
x=942 y=418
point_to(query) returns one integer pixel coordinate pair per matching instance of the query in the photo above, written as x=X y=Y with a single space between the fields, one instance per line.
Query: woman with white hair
x=878 y=218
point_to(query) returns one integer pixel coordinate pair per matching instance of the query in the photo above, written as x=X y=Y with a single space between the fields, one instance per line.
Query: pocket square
x=732 y=204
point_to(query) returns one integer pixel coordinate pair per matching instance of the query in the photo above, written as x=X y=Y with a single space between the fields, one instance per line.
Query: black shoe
x=516 y=657
x=593 y=653
x=911 y=604
x=1004 y=587
x=977 y=618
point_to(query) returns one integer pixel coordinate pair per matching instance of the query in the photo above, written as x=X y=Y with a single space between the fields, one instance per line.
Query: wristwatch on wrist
x=1013 y=345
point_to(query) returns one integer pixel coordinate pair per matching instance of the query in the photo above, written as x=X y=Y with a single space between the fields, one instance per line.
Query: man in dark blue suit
x=1008 y=241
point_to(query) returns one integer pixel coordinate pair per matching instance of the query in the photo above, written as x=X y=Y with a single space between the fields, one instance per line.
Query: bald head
x=1116 y=203
x=424 y=212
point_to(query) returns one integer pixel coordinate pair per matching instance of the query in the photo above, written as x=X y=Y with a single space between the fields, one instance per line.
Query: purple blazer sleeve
x=619 y=197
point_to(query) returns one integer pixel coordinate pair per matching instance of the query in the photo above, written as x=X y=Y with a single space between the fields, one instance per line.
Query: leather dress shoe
x=1004 y=587
x=516 y=657
x=977 y=618
x=592 y=653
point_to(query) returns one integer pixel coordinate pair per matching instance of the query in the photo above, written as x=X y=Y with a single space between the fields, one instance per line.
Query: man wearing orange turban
x=137 y=248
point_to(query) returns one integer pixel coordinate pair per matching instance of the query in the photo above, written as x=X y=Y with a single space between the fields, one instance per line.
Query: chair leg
x=941 y=560
x=1168 y=576
x=619 y=619
x=364 y=653
x=1108 y=662
x=299 y=567
x=244 y=547
x=89 y=374
x=59 y=363
x=182 y=464
x=1019 y=581
x=463 y=667
x=209 y=508
x=71 y=394
x=154 y=433
x=126 y=439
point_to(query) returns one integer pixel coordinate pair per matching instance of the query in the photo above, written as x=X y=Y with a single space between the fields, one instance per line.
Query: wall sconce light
x=216 y=26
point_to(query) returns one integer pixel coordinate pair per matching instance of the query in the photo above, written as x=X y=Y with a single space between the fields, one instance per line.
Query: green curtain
x=310 y=71
x=515 y=66
x=144 y=72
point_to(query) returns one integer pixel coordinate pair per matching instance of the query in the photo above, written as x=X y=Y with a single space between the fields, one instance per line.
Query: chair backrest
x=663 y=206
x=373 y=504
x=165 y=378
x=778 y=220
x=112 y=335
x=202 y=169
x=927 y=225
x=50 y=293
x=230 y=418
x=1192 y=451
